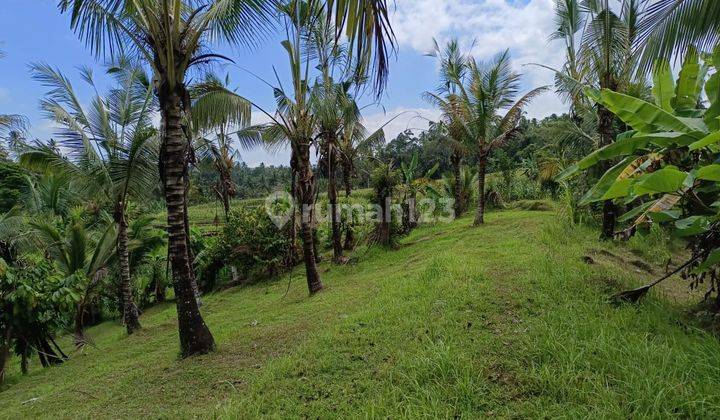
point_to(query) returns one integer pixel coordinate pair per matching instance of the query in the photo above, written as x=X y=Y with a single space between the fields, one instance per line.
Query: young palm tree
x=295 y=124
x=83 y=258
x=219 y=110
x=353 y=145
x=112 y=146
x=453 y=67
x=171 y=36
x=334 y=108
x=485 y=90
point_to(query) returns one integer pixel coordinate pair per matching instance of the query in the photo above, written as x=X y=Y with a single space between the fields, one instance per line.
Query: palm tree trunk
x=306 y=192
x=482 y=168
x=605 y=129
x=79 y=325
x=24 y=354
x=349 y=232
x=130 y=311
x=459 y=199
x=159 y=287
x=195 y=337
x=334 y=213
x=291 y=257
x=190 y=253
x=4 y=352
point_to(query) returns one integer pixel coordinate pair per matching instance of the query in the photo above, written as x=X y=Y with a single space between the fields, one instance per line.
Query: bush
x=250 y=242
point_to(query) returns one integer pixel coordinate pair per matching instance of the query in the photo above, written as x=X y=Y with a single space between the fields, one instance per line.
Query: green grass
x=504 y=320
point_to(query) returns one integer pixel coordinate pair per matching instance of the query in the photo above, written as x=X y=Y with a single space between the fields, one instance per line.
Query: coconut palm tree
x=353 y=145
x=453 y=66
x=334 y=109
x=604 y=58
x=484 y=90
x=669 y=27
x=295 y=124
x=112 y=149
x=219 y=110
x=172 y=36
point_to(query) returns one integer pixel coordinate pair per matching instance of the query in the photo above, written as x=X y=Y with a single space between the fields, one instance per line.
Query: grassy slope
x=505 y=319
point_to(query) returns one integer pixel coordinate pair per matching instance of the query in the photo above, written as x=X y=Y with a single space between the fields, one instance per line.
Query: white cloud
x=397 y=120
x=490 y=27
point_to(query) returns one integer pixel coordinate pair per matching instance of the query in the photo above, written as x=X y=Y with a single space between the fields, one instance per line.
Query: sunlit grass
x=504 y=319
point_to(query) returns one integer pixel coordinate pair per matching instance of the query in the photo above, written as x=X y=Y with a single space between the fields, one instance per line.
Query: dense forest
x=141 y=202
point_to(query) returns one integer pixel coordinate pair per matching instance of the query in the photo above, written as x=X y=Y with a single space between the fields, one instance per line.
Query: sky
x=33 y=31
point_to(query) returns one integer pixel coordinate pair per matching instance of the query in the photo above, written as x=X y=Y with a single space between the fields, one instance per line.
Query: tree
x=354 y=145
x=112 y=149
x=33 y=307
x=483 y=90
x=412 y=184
x=384 y=180
x=295 y=124
x=605 y=59
x=218 y=109
x=669 y=27
x=668 y=167
x=453 y=67
x=82 y=256
x=334 y=109
x=170 y=35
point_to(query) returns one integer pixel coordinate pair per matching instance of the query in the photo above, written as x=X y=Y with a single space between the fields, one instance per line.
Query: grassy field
x=505 y=319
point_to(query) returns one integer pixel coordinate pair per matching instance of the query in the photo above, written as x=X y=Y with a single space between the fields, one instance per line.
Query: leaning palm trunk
x=482 y=168
x=130 y=311
x=306 y=193
x=195 y=337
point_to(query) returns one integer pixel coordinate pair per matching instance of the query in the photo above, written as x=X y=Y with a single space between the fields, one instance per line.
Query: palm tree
x=112 y=149
x=295 y=124
x=82 y=256
x=484 y=90
x=334 y=109
x=453 y=66
x=353 y=145
x=217 y=109
x=171 y=36
x=669 y=27
x=605 y=58
x=569 y=22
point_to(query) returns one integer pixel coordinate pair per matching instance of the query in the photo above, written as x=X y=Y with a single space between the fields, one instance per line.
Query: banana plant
x=669 y=160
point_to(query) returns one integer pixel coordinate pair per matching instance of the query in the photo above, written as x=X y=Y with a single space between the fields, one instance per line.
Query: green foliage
x=659 y=176
x=250 y=242
x=13 y=183
x=419 y=332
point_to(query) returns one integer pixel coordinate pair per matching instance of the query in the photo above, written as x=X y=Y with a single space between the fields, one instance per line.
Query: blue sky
x=34 y=31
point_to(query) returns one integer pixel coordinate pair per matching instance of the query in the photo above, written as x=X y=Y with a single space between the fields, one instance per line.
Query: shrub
x=250 y=242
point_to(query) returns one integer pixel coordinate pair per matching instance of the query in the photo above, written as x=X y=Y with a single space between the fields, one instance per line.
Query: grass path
x=505 y=319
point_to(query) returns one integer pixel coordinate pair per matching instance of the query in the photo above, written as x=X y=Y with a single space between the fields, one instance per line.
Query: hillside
x=506 y=319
